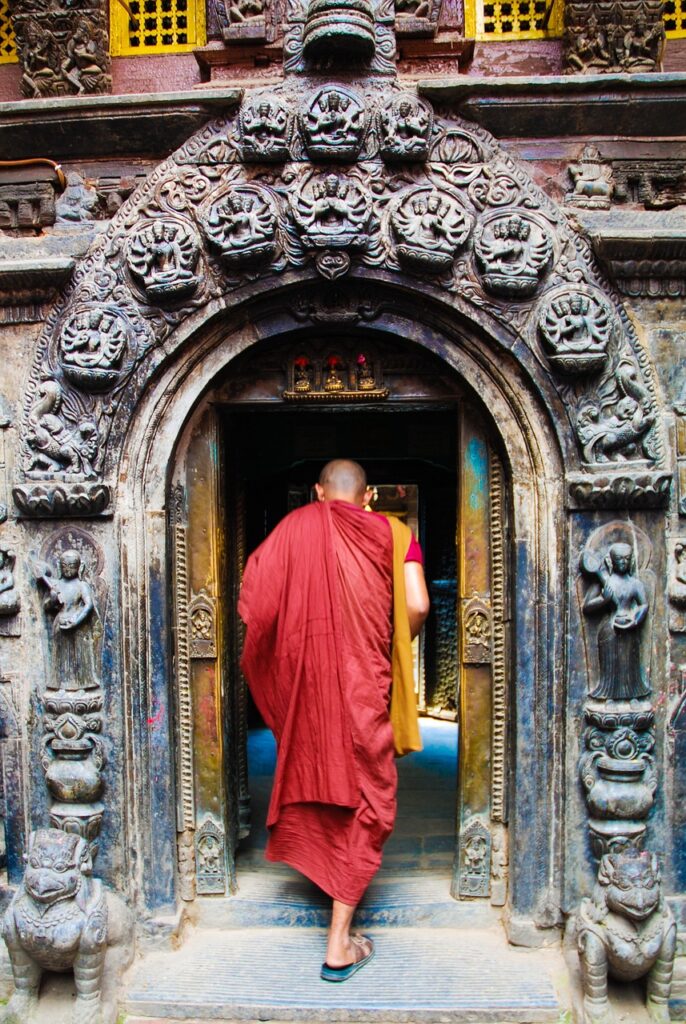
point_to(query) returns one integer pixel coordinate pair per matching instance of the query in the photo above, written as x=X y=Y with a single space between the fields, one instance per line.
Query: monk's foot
x=359 y=950
x=349 y=950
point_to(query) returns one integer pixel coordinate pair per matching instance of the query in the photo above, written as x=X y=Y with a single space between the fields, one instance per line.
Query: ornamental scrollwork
x=513 y=252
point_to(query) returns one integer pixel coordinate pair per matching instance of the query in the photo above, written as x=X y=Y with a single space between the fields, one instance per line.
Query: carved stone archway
x=453 y=247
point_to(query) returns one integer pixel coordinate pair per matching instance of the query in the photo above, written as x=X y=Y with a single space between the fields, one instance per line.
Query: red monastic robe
x=316 y=600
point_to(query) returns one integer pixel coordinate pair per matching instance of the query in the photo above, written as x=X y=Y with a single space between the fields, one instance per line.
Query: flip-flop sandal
x=343 y=973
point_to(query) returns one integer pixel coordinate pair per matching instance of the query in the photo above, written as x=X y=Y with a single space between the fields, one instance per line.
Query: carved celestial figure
x=163 y=257
x=70 y=596
x=9 y=595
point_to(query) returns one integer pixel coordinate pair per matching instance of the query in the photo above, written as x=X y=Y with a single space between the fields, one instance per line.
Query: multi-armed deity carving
x=626 y=930
x=575 y=327
x=513 y=251
x=404 y=126
x=265 y=128
x=163 y=256
x=333 y=212
x=93 y=344
x=430 y=226
x=333 y=125
x=242 y=225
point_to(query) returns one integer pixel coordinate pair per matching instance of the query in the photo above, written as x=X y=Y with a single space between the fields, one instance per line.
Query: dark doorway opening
x=273 y=457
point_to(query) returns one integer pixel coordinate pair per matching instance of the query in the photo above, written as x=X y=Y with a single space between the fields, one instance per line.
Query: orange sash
x=403 y=713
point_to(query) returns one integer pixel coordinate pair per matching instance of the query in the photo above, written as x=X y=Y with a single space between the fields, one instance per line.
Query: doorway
x=247 y=456
x=273 y=458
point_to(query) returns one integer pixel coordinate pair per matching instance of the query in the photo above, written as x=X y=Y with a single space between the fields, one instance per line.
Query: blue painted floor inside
x=424 y=835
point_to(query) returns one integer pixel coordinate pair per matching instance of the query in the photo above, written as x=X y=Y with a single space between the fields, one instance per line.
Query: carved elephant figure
x=626 y=930
x=61 y=919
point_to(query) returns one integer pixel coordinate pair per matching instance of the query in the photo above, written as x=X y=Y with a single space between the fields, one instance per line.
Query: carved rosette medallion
x=333 y=125
x=93 y=342
x=265 y=125
x=513 y=251
x=404 y=127
x=162 y=256
x=333 y=212
x=241 y=225
x=430 y=226
x=575 y=327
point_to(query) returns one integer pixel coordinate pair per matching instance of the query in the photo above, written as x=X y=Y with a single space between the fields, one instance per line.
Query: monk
x=331 y=600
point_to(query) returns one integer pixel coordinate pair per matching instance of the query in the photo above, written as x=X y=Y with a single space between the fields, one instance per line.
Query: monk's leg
x=341 y=948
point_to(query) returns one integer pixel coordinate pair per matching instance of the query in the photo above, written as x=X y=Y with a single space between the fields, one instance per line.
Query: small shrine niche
x=355 y=377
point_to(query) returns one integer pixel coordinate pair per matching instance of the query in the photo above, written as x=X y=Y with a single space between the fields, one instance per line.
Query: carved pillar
x=63 y=48
x=72 y=751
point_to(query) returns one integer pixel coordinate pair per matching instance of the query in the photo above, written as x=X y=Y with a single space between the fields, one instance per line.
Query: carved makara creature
x=54 y=444
x=333 y=213
x=576 y=328
x=404 y=126
x=265 y=127
x=57 y=921
x=430 y=226
x=616 y=430
x=513 y=252
x=93 y=342
x=626 y=930
x=242 y=226
x=163 y=257
x=333 y=125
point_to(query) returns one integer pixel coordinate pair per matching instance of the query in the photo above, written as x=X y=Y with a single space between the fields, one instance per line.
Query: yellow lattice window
x=156 y=26
x=515 y=19
x=8 y=41
x=675 y=19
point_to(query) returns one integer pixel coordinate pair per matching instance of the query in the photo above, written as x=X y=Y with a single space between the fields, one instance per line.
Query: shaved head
x=342 y=480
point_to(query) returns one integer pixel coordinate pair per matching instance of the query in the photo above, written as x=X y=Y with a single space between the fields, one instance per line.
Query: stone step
x=285 y=899
x=419 y=975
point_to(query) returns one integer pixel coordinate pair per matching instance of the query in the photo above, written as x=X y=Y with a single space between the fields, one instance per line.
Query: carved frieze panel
x=63 y=49
x=622 y=35
x=466 y=222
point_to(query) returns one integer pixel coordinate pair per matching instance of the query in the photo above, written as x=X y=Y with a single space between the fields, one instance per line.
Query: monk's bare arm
x=416 y=596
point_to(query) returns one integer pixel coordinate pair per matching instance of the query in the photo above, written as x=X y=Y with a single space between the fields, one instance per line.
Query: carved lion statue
x=626 y=930
x=61 y=919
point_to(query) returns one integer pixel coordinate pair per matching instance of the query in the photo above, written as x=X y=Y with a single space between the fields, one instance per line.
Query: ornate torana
x=342 y=181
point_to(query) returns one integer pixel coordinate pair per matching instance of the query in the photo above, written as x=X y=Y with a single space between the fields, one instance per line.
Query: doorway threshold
x=418 y=975
x=282 y=898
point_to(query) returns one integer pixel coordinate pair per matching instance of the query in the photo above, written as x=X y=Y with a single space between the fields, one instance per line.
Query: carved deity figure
x=626 y=930
x=243 y=226
x=587 y=49
x=620 y=596
x=265 y=130
x=9 y=595
x=430 y=228
x=39 y=61
x=53 y=444
x=92 y=346
x=244 y=10
x=404 y=129
x=593 y=181
x=334 y=125
x=86 y=62
x=333 y=213
x=163 y=257
x=643 y=44
x=513 y=253
x=412 y=8
x=576 y=330
x=75 y=626
x=677 y=590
